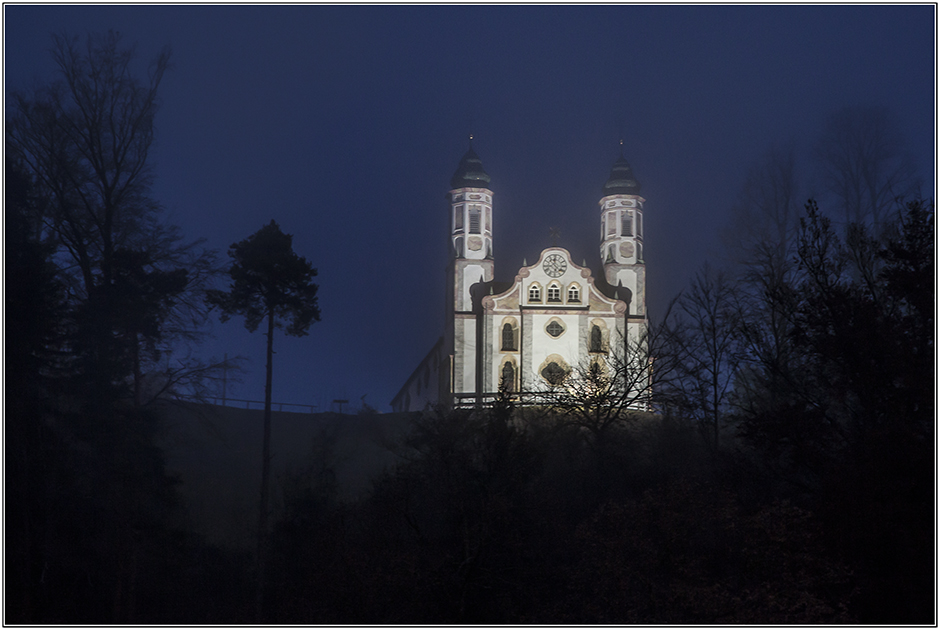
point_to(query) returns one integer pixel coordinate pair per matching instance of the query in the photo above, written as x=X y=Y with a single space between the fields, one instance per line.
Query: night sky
x=344 y=124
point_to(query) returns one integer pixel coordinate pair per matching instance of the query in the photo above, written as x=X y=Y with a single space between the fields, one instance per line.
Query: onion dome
x=621 y=180
x=470 y=173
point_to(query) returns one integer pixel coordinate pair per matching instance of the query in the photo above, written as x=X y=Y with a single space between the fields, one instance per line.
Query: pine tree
x=269 y=282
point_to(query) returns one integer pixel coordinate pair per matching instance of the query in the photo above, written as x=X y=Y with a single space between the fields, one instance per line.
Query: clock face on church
x=554 y=265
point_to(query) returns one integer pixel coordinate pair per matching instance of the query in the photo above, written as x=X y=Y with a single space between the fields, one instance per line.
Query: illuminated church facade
x=554 y=318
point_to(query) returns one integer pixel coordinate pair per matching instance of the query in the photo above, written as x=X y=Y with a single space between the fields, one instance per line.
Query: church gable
x=554 y=282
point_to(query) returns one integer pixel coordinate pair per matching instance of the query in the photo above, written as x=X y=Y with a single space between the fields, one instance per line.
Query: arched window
x=597 y=339
x=535 y=293
x=627 y=227
x=509 y=337
x=554 y=293
x=574 y=294
x=508 y=380
x=639 y=252
x=458 y=247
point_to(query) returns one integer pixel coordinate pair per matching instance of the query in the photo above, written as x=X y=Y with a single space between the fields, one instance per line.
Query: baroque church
x=530 y=334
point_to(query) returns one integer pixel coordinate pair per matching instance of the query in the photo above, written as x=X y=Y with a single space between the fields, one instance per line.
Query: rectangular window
x=611 y=223
x=474 y=219
x=627 y=228
x=458 y=218
x=488 y=224
x=639 y=224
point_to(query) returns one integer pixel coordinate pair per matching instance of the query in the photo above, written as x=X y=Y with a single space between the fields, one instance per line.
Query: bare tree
x=710 y=361
x=610 y=388
x=863 y=164
x=766 y=214
x=86 y=139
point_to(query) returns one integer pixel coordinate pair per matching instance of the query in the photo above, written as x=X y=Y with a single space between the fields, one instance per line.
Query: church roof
x=621 y=180
x=470 y=173
x=480 y=290
x=606 y=289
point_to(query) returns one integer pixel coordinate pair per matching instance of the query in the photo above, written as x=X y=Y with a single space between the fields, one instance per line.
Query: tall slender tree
x=269 y=282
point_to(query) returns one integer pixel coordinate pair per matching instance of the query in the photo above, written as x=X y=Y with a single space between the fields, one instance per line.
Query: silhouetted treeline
x=98 y=291
x=499 y=520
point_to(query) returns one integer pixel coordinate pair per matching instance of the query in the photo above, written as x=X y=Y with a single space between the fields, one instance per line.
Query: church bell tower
x=471 y=237
x=621 y=249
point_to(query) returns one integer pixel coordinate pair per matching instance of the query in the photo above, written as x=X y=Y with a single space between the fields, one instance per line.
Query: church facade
x=553 y=320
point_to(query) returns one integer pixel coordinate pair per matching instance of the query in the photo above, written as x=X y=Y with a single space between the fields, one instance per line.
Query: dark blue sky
x=345 y=124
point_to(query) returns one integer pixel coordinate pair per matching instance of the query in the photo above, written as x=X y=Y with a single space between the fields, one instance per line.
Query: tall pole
x=225 y=379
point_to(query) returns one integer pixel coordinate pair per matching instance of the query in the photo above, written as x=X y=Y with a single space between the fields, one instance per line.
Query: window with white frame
x=574 y=294
x=554 y=293
x=535 y=293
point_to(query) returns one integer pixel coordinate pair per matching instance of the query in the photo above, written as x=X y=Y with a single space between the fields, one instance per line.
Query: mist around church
x=761 y=452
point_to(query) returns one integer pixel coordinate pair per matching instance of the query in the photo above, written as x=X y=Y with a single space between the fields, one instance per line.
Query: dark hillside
x=215 y=452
